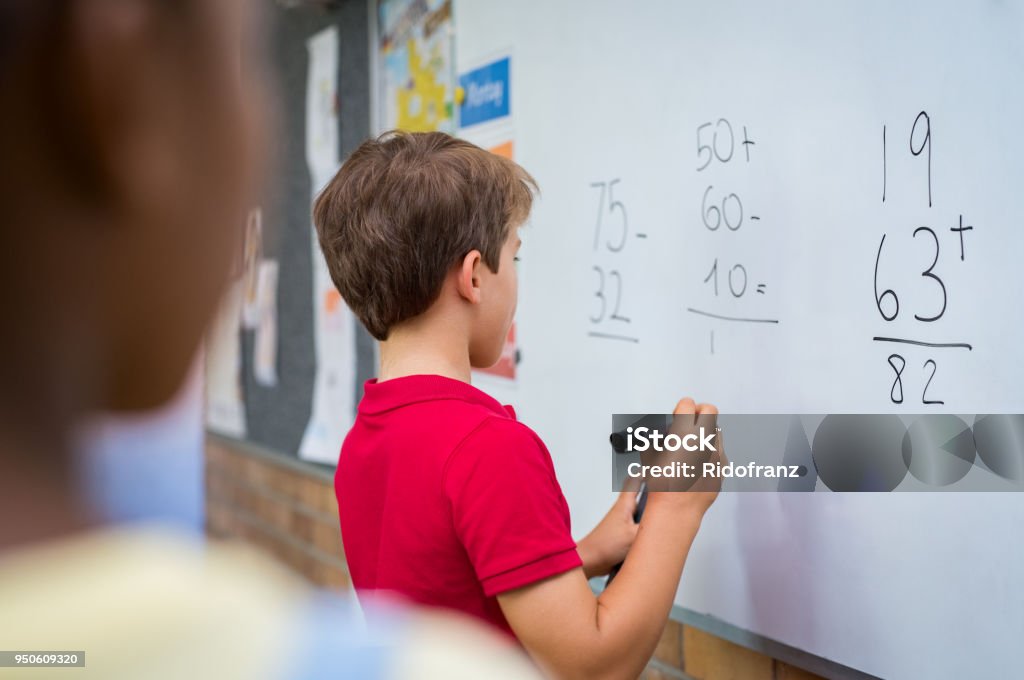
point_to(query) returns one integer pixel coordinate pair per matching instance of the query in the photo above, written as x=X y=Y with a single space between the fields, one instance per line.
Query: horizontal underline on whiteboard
x=730 y=318
x=961 y=345
x=612 y=336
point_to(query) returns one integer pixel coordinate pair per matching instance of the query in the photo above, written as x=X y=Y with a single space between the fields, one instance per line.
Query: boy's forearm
x=573 y=634
x=588 y=557
x=632 y=611
x=593 y=563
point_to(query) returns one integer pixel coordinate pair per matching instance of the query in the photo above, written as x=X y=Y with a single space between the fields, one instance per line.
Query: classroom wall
x=277 y=415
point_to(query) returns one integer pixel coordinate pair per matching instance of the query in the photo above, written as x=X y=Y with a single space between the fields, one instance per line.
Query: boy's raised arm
x=572 y=633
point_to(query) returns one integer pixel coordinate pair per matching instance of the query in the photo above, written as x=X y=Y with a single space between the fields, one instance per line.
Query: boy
x=444 y=496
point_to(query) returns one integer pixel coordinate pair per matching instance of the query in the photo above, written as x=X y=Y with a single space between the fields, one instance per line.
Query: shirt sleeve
x=507 y=507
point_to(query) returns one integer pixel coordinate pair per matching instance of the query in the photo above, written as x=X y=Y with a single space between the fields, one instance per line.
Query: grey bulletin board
x=276 y=417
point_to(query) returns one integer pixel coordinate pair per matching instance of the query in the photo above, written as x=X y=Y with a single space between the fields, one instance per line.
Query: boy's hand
x=695 y=494
x=608 y=543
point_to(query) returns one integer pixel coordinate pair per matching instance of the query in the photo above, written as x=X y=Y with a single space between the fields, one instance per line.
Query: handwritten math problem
x=722 y=211
x=931 y=310
x=610 y=318
x=727 y=289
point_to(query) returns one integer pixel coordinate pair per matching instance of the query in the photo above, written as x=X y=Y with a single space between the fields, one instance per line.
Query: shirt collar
x=410 y=389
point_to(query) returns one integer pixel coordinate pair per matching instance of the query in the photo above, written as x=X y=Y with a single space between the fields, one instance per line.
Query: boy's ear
x=467 y=280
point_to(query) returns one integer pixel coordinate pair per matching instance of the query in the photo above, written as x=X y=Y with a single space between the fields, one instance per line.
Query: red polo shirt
x=447 y=499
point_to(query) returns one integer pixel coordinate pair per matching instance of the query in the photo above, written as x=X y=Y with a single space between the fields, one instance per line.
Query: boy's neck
x=431 y=349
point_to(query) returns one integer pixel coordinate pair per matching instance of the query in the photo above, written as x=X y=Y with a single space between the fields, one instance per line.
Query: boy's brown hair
x=407 y=207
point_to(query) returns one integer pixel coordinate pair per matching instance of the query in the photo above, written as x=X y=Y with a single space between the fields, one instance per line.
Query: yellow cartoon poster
x=416 y=73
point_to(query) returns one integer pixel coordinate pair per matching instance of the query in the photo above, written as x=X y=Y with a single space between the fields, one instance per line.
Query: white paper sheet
x=334 y=325
x=225 y=406
x=264 y=364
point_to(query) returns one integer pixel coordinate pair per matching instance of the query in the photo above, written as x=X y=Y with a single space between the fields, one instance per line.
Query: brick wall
x=273 y=503
x=290 y=511
x=687 y=652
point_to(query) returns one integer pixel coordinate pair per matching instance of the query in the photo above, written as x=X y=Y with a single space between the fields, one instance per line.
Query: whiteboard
x=641 y=111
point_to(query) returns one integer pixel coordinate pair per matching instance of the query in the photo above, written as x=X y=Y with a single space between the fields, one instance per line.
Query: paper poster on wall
x=486 y=93
x=264 y=365
x=322 y=107
x=252 y=253
x=225 y=406
x=416 y=65
x=333 y=323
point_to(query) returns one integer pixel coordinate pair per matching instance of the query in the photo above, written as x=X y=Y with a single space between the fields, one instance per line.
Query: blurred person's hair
x=33 y=34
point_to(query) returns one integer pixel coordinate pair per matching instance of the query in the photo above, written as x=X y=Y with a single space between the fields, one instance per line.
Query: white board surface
x=610 y=106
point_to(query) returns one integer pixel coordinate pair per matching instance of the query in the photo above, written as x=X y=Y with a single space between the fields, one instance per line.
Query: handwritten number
x=743 y=289
x=713 y=151
x=720 y=214
x=725 y=215
x=898 y=382
x=600 y=210
x=732 y=141
x=612 y=207
x=928 y=273
x=703 y=147
x=713 y=275
x=706 y=211
x=618 y=297
x=599 y=293
x=924 y=392
x=888 y=291
x=925 y=141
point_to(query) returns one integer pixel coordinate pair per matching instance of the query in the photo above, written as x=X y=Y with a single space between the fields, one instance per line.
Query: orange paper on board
x=504 y=149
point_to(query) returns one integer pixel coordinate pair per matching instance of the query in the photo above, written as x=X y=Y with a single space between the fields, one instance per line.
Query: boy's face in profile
x=499 y=295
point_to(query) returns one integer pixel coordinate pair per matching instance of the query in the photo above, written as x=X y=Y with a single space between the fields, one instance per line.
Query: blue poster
x=485 y=93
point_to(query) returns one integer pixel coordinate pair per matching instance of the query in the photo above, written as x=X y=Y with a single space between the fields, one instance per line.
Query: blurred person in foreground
x=131 y=144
